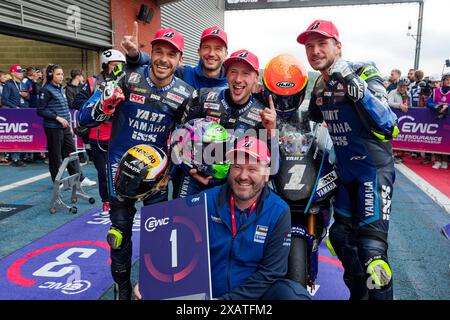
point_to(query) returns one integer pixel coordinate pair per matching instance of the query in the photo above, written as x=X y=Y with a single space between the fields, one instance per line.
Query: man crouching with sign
x=146 y=101
x=249 y=231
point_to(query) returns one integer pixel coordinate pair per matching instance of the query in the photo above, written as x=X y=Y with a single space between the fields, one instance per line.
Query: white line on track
x=437 y=196
x=24 y=182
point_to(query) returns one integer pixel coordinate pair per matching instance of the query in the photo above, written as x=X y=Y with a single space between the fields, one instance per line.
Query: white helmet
x=435 y=78
x=111 y=55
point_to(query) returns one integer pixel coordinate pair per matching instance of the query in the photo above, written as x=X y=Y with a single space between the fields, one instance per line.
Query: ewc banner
x=421 y=130
x=22 y=130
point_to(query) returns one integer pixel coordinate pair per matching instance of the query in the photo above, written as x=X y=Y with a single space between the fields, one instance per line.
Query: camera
x=425 y=88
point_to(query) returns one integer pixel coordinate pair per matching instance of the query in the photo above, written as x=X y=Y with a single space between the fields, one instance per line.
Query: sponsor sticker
x=134 y=78
x=137 y=98
x=212 y=106
x=212 y=96
x=174 y=97
x=254 y=116
x=260 y=234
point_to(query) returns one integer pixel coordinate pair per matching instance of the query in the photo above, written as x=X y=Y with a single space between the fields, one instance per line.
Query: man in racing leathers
x=154 y=101
x=234 y=108
x=209 y=73
x=351 y=98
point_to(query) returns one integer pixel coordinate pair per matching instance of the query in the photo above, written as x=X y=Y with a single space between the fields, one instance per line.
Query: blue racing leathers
x=245 y=266
x=360 y=130
x=147 y=116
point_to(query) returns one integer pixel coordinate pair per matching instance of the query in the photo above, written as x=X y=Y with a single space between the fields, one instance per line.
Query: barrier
x=22 y=130
x=421 y=131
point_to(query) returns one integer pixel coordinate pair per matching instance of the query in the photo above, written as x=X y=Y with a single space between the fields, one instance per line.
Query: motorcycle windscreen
x=297 y=174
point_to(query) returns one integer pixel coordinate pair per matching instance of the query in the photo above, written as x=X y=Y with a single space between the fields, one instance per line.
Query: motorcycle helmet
x=141 y=169
x=111 y=55
x=286 y=79
x=200 y=144
x=403 y=81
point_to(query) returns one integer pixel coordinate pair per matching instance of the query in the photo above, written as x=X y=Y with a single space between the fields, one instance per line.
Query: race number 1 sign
x=174 y=250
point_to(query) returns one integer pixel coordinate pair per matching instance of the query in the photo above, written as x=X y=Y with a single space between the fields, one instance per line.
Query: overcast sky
x=369 y=32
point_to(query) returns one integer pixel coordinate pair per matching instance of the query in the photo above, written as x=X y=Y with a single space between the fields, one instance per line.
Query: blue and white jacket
x=245 y=266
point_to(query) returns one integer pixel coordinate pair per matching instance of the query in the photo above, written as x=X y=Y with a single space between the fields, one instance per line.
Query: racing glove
x=341 y=71
x=111 y=96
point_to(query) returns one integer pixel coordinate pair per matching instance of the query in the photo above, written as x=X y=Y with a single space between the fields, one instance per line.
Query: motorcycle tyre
x=298 y=261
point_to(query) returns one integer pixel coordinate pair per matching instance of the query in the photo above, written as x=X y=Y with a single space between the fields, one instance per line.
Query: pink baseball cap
x=171 y=36
x=15 y=68
x=243 y=55
x=252 y=146
x=214 y=32
x=323 y=27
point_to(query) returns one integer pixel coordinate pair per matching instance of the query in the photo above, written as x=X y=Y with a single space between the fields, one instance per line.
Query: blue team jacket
x=244 y=267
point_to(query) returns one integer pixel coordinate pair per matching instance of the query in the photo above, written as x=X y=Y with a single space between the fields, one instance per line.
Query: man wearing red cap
x=352 y=100
x=234 y=108
x=15 y=95
x=249 y=231
x=146 y=101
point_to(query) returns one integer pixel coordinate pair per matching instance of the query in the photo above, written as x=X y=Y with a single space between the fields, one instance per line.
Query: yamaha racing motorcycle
x=306 y=181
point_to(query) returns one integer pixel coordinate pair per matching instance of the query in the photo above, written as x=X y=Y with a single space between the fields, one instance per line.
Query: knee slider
x=114 y=238
x=380 y=273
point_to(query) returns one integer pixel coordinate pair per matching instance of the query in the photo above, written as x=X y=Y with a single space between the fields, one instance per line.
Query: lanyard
x=233 y=216
x=18 y=87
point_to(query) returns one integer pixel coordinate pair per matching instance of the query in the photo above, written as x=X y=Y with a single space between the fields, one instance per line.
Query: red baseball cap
x=323 y=27
x=15 y=68
x=214 y=32
x=252 y=146
x=171 y=36
x=243 y=55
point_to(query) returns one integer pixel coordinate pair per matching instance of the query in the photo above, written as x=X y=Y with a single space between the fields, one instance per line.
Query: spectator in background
x=438 y=101
x=435 y=81
x=412 y=78
x=394 y=78
x=53 y=107
x=74 y=86
x=15 y=96
x=27 y=82
x=3 y=79
x=400 y=98
x=415 y=89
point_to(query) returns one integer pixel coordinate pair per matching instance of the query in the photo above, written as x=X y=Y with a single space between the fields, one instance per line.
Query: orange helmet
x=286 y=79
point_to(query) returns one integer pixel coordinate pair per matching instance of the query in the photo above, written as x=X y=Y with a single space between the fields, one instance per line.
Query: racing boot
x=122 y=284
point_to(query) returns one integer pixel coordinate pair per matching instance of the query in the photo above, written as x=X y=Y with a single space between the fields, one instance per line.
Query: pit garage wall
x=191 y=17
x=123 y=14
x=39 y=54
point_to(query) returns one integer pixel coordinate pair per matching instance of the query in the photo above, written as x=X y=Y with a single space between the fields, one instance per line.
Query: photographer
x=438 y=101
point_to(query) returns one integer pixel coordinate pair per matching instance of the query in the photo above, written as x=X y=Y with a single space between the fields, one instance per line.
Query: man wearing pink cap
x=249 y=231
x=352 y=100
x=146 y=101
x=234 y=108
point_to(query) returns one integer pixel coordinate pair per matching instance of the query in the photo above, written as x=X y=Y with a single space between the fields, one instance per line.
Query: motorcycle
x=306 y=180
